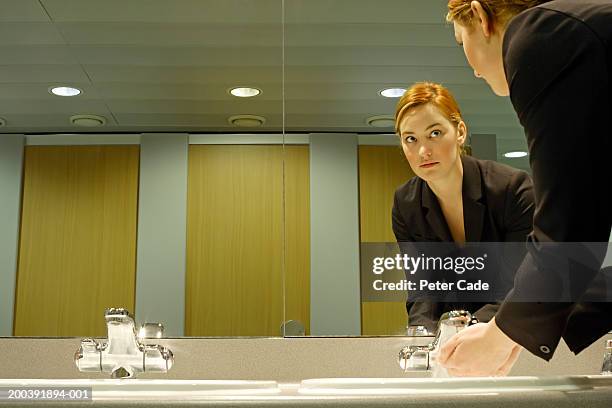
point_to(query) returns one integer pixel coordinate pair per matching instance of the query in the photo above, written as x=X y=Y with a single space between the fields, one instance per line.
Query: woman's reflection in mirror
x=454 y=197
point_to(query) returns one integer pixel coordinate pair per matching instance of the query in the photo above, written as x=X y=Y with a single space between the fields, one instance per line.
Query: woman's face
x=483 y=50
x=431 y=142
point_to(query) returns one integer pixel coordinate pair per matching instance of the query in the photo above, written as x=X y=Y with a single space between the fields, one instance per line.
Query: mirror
x=156 y=188
x=339 y=56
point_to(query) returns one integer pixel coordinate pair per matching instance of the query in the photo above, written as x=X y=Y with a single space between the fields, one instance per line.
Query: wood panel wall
x=381 y=170
x=77 y=251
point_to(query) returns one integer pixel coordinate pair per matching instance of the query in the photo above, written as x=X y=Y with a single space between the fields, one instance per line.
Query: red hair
x=500 y=11
x=423 y=93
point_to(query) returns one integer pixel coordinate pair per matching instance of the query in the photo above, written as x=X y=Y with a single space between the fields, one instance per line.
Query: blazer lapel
x=433 y=214
x=473 y=208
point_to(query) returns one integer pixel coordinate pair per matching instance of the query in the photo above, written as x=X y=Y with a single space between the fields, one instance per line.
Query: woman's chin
x=500 y=89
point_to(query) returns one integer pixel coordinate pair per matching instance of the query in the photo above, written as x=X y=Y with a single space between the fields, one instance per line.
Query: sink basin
x=153 y=389
x=471 y=385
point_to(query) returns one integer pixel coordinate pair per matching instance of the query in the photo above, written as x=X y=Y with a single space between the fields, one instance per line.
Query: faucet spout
x=422 y=358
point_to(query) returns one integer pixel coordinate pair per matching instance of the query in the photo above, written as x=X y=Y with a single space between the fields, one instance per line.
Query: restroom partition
x=382 y=169
x=233 y=279
x=77 y=249
x=242 y=231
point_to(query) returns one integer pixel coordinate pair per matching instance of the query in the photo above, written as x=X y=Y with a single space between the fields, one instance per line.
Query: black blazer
x=497 y=207
x=558 y=64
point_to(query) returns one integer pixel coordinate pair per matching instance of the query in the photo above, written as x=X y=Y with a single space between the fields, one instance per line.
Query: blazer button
x=544 y=349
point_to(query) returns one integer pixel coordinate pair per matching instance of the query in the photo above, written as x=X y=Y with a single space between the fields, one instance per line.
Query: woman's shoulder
x=499 y=177
x=410 y=191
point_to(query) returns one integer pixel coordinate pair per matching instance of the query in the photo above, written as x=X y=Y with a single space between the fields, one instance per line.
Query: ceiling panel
x=362 y=11
x=17 y=91
x=36 y=55
x=369 y=34
x=161 y=11
x=182 y=75
x=21 y=10
x=173 y=34
x=379 y=55
x=22 y=33
x=168 y=92
x=46 y=75
x=67 y=106
x=195 y=107
x=179 y=56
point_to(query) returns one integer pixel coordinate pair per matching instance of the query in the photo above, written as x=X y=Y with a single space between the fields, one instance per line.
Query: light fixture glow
x=393 y=92
x=245 y=92
x=65 y=91
x=512 y=155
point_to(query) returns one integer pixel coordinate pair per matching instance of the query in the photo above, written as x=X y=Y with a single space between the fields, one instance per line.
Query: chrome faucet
x=606 y=367
x=422 y=358
x=123 y=355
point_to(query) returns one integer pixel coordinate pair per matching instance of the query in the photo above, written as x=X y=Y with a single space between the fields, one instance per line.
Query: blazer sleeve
x=518 y=223
x=556 y=66
x=519 y=208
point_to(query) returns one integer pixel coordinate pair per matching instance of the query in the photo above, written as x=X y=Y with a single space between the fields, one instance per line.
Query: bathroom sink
x=471 y=385
x=153 y=389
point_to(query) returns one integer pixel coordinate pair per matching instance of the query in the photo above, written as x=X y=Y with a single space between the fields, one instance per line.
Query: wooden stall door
x=77 y=251
x=235 y=239
x=381 y=170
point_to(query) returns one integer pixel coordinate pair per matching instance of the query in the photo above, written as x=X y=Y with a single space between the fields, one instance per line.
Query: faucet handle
x=157 y=358
x=418 y=331
x=456 y=318
x=87 y=357
x=117 y=314
x=606 y=367
x=414 y=358
x=151 y=331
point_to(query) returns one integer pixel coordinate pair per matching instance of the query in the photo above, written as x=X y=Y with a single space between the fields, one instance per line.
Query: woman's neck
x=449 y=188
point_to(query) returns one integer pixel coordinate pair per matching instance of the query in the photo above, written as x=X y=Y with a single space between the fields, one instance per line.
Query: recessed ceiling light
x=88 y=120
x=393 y=92
x=246 y=120
x=64 y=91
x=512 y=155
x=381 y=121
x=245 y=92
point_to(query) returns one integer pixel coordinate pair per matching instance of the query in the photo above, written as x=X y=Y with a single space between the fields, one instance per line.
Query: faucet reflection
x=422 y=358
x=123 y=355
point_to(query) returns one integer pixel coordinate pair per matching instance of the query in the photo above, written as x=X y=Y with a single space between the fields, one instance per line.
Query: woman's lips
x=428 y=165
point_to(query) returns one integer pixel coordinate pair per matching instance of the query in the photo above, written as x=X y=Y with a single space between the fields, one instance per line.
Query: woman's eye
x=436 y=133
x=410 y=139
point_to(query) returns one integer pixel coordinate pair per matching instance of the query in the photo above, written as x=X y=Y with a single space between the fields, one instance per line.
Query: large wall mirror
x=157 y=188
x=339 y=57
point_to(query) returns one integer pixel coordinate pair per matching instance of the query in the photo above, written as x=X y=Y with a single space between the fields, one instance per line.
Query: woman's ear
x=482 y=19
x=461 y=133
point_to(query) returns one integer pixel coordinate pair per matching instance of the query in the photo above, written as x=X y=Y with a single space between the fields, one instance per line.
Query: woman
x=554 y=60
x=454 y=198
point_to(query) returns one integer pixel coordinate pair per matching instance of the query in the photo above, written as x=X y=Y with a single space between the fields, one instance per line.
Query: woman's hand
x=479 y=350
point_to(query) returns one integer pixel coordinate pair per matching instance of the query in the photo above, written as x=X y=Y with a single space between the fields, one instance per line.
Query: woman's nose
x=424 y=152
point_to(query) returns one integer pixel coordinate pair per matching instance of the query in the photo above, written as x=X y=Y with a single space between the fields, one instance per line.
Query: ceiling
x=159 y=65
